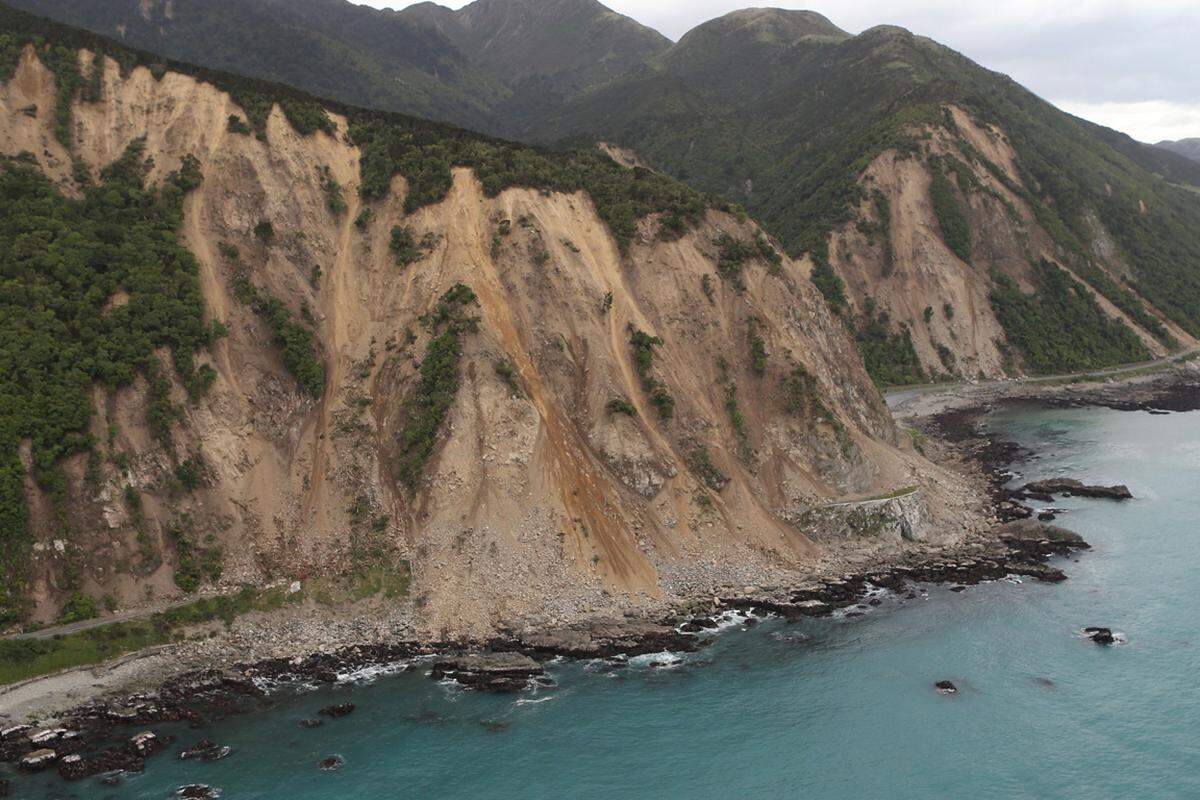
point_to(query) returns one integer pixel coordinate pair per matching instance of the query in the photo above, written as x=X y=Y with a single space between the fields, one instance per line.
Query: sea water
x=836 y=708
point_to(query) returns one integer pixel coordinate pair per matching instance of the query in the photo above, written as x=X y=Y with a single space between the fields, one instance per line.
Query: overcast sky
x=1133 y=65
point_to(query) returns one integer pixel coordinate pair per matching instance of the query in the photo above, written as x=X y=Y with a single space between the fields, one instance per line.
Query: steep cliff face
x=900 y=258
x=618 y=427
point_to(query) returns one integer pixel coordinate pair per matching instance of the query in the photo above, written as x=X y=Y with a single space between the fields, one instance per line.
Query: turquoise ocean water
x=821 y=709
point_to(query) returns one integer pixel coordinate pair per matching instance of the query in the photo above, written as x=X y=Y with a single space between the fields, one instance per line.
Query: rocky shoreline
x=110 y=737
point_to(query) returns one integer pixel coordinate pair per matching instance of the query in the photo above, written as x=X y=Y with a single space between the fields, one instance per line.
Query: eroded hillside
x=489 y=389
x=954 y=266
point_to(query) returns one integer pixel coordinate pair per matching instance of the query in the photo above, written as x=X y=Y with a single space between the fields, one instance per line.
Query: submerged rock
x=197 y=791
x=336 y=711
x=311 y=723
x=331 y=763
x=945 y=687
x=206 y=750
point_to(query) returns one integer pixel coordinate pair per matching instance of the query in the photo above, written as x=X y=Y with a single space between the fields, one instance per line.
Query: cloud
x=1132 y=63
x=1148 y=121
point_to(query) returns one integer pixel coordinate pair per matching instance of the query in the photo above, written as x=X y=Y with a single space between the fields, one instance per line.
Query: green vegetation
x=79 y=607
x=197 y=561
x=802 y=397
x=190 y=473
x=333 y=192
x=238 y=125
x=297 y=344
x=829 y=283
x=27 y=658
x=264 y=230
x=733 y=253
x=426 y=405
x=738 y=421
x=425 y=154
x=1060 y=328
x=758 y=350
x=405 y=245
x=643 y=361
x=956 y=228
x=507 y=374
x=621 y=405
x=63 y=261
x=699 y=463
x=890 y=358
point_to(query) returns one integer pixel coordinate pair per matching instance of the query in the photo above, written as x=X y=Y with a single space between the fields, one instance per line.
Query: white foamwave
x=664 y=660
x=372 y=673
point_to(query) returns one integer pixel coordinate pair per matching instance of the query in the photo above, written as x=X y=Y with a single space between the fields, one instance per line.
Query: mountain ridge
x=1188 y=148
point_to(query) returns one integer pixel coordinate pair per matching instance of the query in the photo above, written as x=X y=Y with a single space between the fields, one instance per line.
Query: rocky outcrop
x=1046 y=489
x=489 y=672
x=607 y=638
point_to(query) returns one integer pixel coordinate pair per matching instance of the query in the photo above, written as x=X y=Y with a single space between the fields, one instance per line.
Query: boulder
x=13 y=732
x=1101 y=635
x=38 y=760
x=331 y=763
x=945 y=688
x=72 y=767
x=145 y=743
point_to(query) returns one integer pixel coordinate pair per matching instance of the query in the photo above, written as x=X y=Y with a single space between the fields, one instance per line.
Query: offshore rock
x=489 y=672
x=1072 y=487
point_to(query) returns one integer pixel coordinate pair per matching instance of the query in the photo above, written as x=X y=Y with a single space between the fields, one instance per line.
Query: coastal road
x=897 y=398
x=84 y=625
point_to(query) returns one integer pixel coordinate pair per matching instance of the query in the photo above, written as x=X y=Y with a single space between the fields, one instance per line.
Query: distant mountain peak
x=518 y=39
x=1188 y=148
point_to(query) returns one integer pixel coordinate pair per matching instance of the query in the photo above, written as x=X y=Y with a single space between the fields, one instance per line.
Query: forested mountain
x=1189 y=148
x=815 y=131
x=478 y=66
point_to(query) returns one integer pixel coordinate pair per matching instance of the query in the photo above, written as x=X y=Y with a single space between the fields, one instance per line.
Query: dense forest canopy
x=91 y=290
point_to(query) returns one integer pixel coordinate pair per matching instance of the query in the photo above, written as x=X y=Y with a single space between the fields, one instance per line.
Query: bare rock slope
x=558 y=485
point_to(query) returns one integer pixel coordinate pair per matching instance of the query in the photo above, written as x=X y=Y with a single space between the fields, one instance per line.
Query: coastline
x=105 y=704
